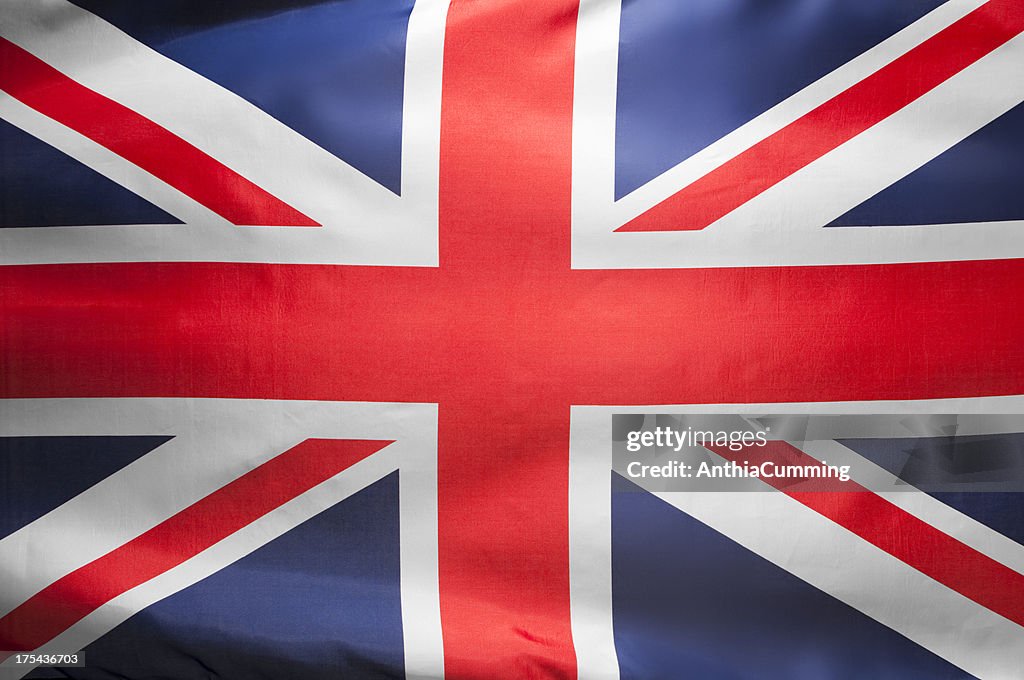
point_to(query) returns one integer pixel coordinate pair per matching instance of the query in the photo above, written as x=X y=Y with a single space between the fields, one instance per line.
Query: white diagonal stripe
x=963 y=528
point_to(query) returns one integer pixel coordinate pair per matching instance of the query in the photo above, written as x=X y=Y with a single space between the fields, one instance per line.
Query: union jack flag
x=315 y=315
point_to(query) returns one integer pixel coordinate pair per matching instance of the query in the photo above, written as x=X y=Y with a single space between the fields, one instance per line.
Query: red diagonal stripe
x=838 y=120
x=141 y=141
x=181 y=537
x=934 y=553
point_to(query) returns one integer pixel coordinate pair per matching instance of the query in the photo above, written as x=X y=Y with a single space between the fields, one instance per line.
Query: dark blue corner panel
x=333 y=70
x=43 y=187
x=692 y=71
x=320 y=602
x=690 y=603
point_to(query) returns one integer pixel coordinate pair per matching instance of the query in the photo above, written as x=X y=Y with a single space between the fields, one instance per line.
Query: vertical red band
x=506 y=134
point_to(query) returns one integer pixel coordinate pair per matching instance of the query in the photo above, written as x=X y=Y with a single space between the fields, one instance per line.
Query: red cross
x=505 y=336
